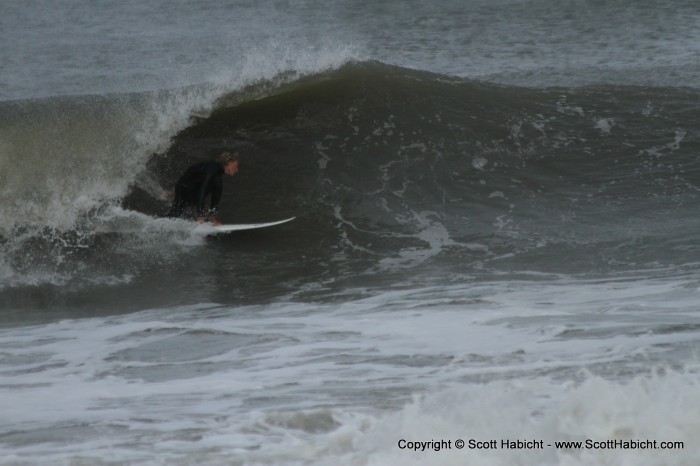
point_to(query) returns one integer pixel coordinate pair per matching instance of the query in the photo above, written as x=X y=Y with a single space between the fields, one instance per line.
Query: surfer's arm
x=213 y=184
x=216 y=190
x=202 y=195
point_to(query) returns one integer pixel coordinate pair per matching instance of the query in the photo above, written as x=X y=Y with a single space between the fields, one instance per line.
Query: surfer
x=200 y=181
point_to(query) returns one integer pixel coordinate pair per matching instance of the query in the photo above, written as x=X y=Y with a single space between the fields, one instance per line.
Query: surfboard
x=210 y=229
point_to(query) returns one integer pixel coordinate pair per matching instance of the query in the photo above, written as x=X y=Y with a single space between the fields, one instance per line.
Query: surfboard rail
x=210 y=229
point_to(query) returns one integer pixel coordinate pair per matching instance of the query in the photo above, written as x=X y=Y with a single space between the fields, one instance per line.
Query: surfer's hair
x=227 y=157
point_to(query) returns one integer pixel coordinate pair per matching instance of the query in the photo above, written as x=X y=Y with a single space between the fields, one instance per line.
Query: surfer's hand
x=214 y=221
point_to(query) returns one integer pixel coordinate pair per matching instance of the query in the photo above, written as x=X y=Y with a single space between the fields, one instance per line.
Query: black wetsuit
x=193 y=187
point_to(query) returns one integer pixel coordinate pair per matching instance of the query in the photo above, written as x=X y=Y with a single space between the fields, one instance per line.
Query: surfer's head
x=229 y=160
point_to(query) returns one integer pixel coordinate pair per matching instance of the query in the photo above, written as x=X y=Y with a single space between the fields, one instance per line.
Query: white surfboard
x=210 y=229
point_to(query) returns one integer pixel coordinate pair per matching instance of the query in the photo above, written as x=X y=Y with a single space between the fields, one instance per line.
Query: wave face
x=390 y=171
x=383 y=162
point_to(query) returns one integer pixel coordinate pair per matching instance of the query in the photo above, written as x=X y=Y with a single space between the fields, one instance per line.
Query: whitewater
x=494 y=259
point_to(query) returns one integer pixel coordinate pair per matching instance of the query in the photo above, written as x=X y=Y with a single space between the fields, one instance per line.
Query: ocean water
x=495 y=240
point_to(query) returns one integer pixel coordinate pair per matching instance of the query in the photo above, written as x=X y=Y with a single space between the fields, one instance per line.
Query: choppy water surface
x=495 y=233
